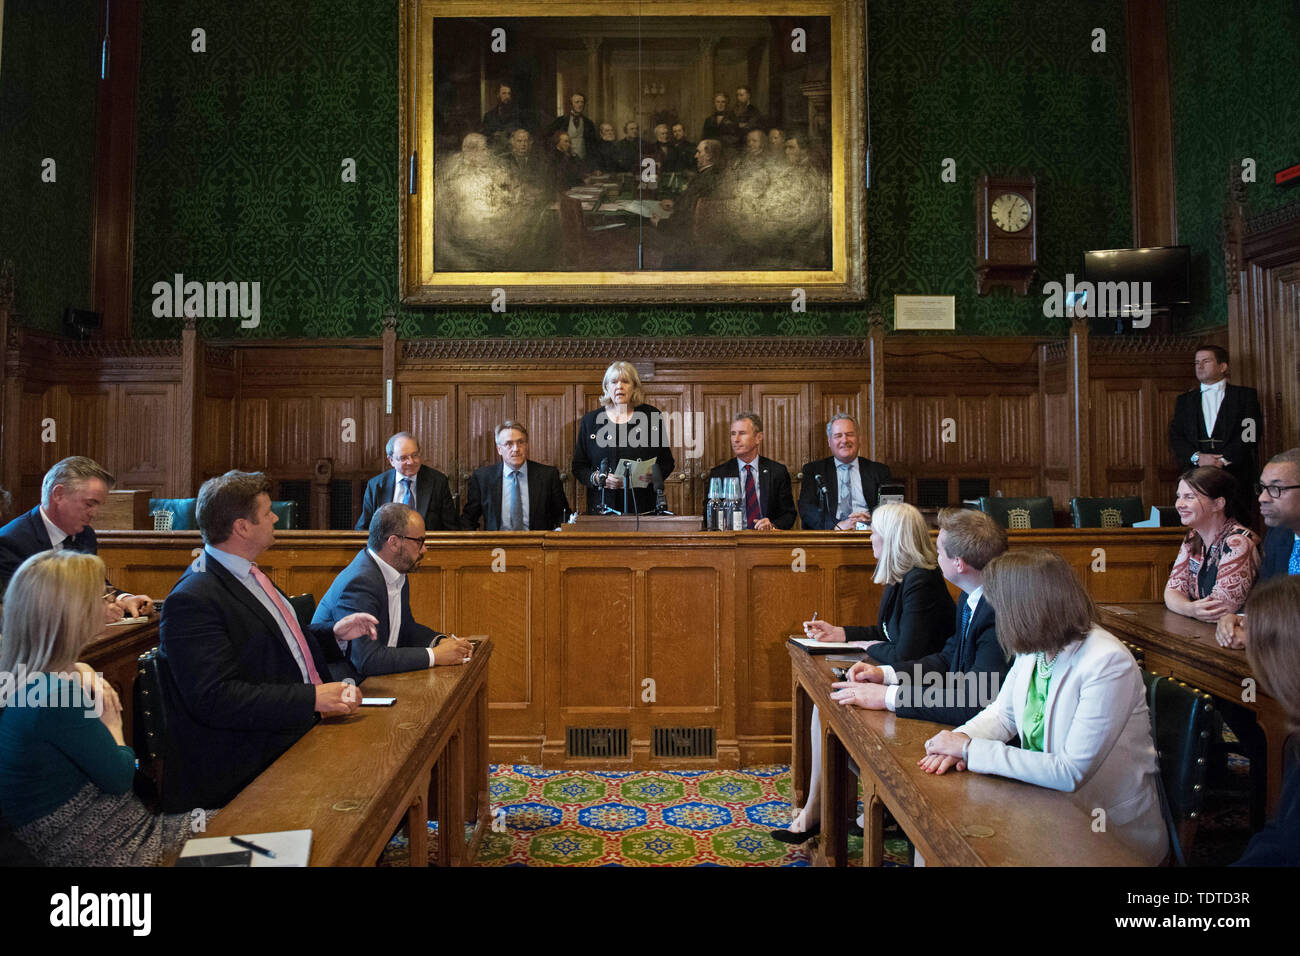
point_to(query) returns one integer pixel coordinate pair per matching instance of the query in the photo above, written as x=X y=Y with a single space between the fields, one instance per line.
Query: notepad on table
x=291 y=848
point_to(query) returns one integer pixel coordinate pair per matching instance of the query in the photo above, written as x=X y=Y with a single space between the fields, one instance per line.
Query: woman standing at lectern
x=625 y=427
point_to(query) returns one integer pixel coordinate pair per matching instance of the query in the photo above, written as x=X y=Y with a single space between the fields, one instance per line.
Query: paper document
x=291 y=847
x=642 y=471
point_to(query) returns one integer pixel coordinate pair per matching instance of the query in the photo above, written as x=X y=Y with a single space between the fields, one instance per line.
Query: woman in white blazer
x=1075 y=698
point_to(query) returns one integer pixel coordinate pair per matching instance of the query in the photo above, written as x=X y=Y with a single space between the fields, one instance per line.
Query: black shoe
x=854 y=829
x=789 y=836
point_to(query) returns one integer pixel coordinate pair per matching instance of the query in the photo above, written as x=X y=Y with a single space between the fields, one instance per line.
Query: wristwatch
x=1196 y=458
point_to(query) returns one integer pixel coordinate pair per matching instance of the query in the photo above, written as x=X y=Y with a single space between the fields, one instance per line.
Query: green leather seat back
x=182 y=509
x=287 y=513
x=1019 y=513
x=1106 y=512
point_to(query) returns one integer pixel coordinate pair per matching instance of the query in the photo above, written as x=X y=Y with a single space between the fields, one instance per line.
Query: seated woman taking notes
x=916 y=618
x=1219 y=558
x=1074 y=696
x=65 y=770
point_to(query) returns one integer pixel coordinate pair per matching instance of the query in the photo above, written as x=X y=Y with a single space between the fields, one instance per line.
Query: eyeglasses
x=419 y=541
x=1274 y=491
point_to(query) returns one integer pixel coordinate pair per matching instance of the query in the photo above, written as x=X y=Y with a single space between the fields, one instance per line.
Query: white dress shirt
x=1211 y=401
x=242 y=569
x=393 y=583
x=398 y=491
x=56 y=533
x=891 y=676
x=523 y=492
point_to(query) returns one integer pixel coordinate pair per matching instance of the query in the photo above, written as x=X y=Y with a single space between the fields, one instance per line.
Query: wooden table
x=958 y=819
x=352 y=781
x=1185 y=648
x=113 y=653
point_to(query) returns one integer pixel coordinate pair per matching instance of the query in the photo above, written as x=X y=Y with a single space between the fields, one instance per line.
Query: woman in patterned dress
x=1219 y=558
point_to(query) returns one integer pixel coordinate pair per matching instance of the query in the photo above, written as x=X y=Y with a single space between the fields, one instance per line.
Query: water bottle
x=711 y=505
x=737 y=509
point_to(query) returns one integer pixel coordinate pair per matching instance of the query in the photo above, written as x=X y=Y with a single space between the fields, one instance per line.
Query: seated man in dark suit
x=375 y=584
x=971 y=666
x=1279 y=504
x=71 y=493
x=681 y=155
x=629 y=149
x=245 y=676
x=764 y=484
x=1212 y=423
x=413 y=484
x=535 y=501
x=842 y=505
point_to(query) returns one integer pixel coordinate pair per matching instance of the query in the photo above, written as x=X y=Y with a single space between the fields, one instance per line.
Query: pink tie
x=265 y=584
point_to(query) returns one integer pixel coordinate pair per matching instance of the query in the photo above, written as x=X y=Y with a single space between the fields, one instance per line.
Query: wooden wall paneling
x=785 y=410
x=686 y=649
x=1284 y=300
x=214 y=436
x=1117 y=421
x=292 y=429
x=929 y=452
x=333 y=410
x=252 y=435
x=833 y=398
x=1151 y=150
x=893 y=424
x=508 y=603
x=429 y=413
x=480 y=408
x=675 y=400
x=1018 y=441
x=146 y=459
x=547 y=411
x=93 y=424
x=718 y=402
x=976 y=421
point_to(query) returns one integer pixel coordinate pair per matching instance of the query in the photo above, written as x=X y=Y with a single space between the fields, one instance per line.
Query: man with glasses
x=515 y=494
x=1279 y=504
x=411 y=483
x=376 y=583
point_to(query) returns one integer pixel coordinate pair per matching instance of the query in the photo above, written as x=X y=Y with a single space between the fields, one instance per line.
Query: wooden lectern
x=675 y=523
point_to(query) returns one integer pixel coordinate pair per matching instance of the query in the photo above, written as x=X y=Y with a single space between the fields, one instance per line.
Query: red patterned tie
x=292 y=619
x=752 y=514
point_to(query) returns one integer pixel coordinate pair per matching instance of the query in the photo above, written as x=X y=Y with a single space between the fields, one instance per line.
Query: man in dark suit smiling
x=516 y=494
x=765 y=496
x=847 y=502
x=245 y=677
x=412 y=483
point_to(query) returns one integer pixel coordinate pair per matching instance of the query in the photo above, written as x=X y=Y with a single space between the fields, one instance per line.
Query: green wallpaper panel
x=1234 y=72
x=238 y=165
x=48 y=71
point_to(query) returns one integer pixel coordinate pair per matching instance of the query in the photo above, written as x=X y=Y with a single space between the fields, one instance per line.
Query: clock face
x=1010 y=212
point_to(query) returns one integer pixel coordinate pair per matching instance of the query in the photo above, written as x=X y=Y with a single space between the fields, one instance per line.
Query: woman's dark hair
x=1214 y=483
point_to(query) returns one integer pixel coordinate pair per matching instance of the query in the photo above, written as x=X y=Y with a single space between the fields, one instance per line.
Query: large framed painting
x=632 y=151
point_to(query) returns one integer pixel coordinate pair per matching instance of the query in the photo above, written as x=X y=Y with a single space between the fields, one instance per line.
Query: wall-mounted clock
x=1006 y=233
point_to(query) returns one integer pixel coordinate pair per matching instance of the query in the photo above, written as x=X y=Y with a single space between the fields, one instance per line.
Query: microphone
x=602 y=472
x=821 y=487
x=661 y=500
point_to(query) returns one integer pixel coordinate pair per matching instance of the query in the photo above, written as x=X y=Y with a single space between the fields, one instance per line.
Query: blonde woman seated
x=1075 y=697
x=1219 y=559
x=65 y=770
x=916 y=619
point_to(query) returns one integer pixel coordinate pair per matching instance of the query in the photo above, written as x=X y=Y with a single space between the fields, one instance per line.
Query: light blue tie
x=846 y=494
x=514 y=505
x=408 y=498
x=1293 y=566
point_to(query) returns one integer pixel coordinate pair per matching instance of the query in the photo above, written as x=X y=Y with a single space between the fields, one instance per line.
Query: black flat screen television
x=1167 y=268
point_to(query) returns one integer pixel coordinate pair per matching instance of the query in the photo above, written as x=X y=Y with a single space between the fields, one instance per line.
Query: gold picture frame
x=447 y=257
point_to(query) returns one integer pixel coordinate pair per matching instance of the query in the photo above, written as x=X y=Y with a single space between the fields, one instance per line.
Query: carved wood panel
x=429 y=415
x=291 y=436
x=251 y=444
x=785 y=412
x=479 y=409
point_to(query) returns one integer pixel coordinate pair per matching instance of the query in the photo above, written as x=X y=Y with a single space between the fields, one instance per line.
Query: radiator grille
x=683 y=742
x=932 y=492
x=341 y=505
x=969 y=489
x=597 y=741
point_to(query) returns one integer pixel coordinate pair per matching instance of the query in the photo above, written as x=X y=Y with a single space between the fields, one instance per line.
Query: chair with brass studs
x=1019 y=514
x=150 y=726
x=1182 y=720
x=1106 y=512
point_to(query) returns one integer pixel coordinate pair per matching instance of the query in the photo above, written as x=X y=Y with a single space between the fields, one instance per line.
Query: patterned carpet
x=682 y=818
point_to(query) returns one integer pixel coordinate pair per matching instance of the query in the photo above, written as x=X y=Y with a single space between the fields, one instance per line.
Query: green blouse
x=1031 y=734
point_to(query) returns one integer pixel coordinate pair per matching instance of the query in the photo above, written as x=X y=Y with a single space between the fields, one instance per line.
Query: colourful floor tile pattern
x=653 y=818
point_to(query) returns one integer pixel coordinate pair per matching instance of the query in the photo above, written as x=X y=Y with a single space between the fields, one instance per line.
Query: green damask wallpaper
x=48 y=71
x=1234 y=72
x=240 y=148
